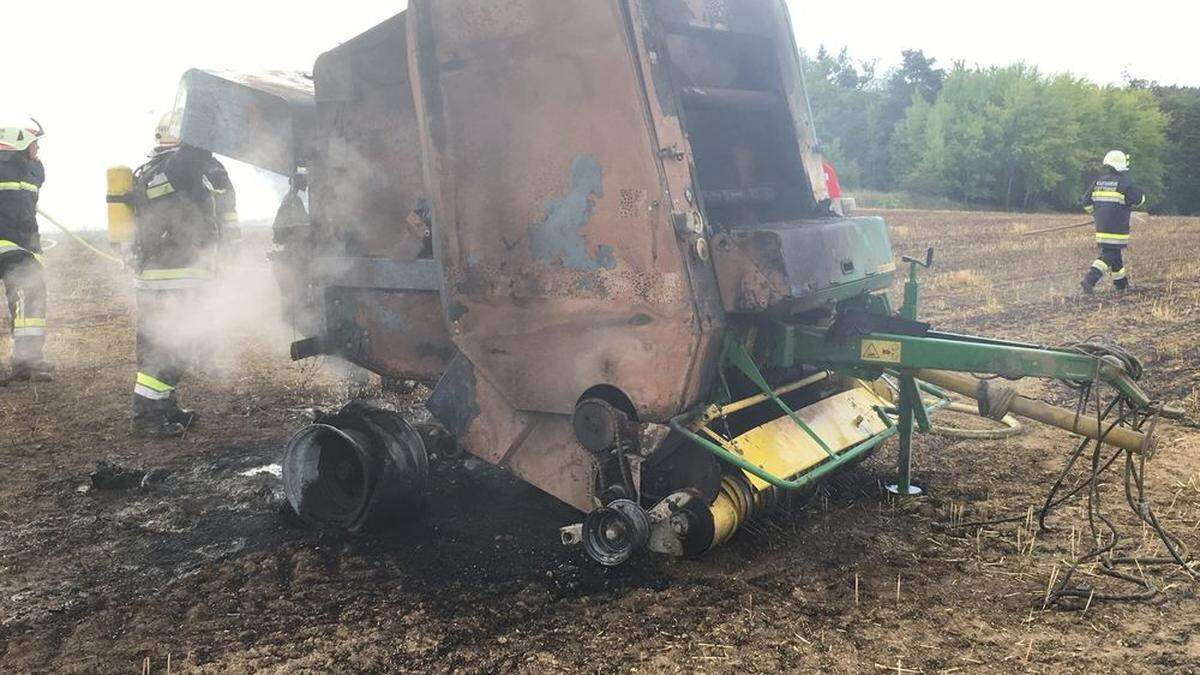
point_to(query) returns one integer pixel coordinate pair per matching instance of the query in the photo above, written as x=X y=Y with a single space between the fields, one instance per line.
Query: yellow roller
x=120 y=211
x=731 y=508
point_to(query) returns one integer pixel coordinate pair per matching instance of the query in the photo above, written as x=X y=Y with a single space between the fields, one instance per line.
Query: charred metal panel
x=453 y=399
x=537 y=447
x=367 y=177
x=367 y=196
x=792 y=76
x=264 y=119
x=396 y=334
x=739 y=16
x=550 y=458
x=787 y=268
x=728 y=74
x=553 y=217
x=377 y=273
x=677 y=167
x=734 y=73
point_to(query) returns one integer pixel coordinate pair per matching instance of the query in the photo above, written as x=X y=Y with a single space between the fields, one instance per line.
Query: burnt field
x=189 y=561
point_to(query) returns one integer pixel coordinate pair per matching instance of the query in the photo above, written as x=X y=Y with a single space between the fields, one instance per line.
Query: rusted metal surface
x=752 y=273
x=527 y=194
x=370 y=244
x=538 y=447
x=560 y=259
x=366 y=175
x=399 y=335
x=787 y=268
x=572 y=212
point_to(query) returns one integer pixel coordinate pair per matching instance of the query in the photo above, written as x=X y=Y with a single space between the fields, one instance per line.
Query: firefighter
x=21 y=178
x=292 y=221
x=183 y=203
x=1111 y=200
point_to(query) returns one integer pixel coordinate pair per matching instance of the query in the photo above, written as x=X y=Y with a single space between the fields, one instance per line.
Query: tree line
x=1009 y=137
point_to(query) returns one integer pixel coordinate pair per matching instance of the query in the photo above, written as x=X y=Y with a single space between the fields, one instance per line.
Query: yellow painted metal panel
x=782 y=448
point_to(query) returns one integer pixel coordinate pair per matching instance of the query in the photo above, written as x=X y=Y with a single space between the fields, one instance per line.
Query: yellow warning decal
x=883 y=351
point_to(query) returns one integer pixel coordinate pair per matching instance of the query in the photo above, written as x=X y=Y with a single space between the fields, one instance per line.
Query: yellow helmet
x=166 y=134
x=19 y=138
x=1117 y=160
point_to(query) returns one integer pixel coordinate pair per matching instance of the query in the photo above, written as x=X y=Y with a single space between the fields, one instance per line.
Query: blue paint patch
x=558 y=238
x=453 y=399
x=456 y=311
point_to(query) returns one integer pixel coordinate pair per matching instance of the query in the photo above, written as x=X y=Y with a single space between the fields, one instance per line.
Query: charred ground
x=198 y=563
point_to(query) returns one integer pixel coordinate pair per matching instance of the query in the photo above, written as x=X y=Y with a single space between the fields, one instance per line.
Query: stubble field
x=197 y=566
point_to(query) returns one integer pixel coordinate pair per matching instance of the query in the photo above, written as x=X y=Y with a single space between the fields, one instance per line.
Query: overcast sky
x=98 y=75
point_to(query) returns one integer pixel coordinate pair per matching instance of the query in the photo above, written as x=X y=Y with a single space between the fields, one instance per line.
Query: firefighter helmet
x=1117 y=160
x=19 y=138
x=166 y=134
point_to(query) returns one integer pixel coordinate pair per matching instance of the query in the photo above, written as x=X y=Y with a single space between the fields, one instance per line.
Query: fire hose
x=83 y=242
x=1012 y=427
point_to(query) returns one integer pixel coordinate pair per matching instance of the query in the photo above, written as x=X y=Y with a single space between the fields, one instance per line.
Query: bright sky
x=98 y=75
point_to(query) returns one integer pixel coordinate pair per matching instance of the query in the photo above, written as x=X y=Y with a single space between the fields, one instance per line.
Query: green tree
x=843 y=97
x=857 y=111
x=917 y=79
x=1181 y=180
x=1003 y=137
x=1013 y=138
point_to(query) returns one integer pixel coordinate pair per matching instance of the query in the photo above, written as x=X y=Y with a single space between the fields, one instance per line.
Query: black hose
x=1105 y=535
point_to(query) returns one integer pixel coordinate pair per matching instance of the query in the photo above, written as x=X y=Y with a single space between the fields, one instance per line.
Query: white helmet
x=19 y=138
x=1117 y=160
x=166 y=134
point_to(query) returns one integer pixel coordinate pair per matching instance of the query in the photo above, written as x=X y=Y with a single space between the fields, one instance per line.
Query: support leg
x=908 y=385
x=910 y=400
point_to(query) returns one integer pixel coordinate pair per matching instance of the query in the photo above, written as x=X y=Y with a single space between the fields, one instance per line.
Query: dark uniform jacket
x=20 y=180
x=1111 y=200
x=182 y=200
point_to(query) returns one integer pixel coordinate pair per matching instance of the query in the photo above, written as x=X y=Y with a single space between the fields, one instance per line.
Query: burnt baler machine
x=599 y=231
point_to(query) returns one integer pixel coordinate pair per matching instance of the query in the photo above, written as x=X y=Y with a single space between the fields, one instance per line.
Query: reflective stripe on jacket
x=21 y=179
x=172 y=279
x=1111 y=200
x=7 y=246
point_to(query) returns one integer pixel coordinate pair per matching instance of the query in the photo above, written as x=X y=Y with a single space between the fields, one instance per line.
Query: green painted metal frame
x=805 y=480
x=679 y=425
x=814 y=345
x=735 y=356
x=783 y=345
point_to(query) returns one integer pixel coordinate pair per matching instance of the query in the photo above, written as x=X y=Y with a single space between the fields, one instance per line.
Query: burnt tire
x=363 y=468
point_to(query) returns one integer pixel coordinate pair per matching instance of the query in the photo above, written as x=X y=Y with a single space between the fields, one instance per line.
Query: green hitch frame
x=871 y=355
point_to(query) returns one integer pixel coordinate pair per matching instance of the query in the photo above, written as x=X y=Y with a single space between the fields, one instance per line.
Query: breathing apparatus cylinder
x=120 y=208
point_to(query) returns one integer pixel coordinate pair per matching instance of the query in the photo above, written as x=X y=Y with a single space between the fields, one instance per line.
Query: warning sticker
x=883 y=351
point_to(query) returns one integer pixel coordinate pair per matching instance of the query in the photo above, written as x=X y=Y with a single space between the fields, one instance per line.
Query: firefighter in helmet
x=1111 y=201
x=21 y=177
x=183 y=202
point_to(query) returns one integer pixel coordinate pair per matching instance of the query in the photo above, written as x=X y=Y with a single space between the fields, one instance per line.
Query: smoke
x=219 y=328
